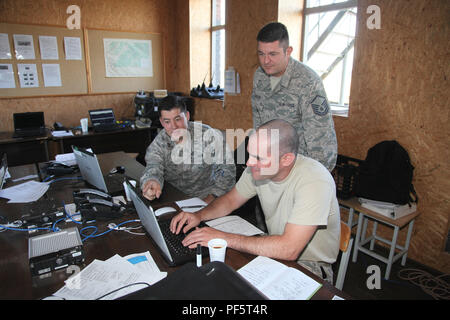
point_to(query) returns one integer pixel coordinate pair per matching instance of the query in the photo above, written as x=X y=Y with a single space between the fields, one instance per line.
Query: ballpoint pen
x=199 y=255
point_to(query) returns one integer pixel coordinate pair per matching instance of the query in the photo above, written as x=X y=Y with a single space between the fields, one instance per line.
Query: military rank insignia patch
x=320 y=105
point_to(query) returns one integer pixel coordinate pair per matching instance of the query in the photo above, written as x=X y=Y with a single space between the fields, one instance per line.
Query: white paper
x=24 y=46
x=230 y=81
x=28 y=76
x=72 y=48
x=7 y=76
x=52 y=74
x=62 y=133
x=5 y=49
x=102 y=277
x=197 y=203
x=234 y=224
x=26 y=192
x=278 y=281
x=49 y=48
x=144 y=261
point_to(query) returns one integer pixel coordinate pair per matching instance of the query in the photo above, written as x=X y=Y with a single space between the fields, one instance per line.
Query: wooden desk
x=15 y=277
x=24 y=150
x=126 y=139
x=361 y=240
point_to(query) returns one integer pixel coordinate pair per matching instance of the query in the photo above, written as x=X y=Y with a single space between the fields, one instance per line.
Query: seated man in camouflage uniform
x=191 y=156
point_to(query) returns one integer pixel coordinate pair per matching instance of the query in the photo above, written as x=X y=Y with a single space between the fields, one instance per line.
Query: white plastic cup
x=217 y=249
x=84 y=125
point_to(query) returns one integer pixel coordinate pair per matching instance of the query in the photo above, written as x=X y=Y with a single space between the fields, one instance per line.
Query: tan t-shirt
x=307 y=196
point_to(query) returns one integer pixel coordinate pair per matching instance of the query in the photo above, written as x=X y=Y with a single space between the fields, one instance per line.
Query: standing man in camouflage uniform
x=191 y=156
x=284 y=88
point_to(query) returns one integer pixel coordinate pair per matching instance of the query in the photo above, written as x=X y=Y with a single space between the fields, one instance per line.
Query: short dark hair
x=274 y=31
x=170 y=102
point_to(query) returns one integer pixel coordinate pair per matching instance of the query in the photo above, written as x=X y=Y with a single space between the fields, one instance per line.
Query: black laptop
x=103 y=120
x=29 y=124
x=168 y=243
x=212 y=281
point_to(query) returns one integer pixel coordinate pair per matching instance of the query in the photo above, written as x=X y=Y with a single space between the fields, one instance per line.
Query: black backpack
x=386 y=174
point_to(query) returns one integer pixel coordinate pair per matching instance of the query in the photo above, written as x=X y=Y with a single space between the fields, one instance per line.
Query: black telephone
x=84 y=194
x=97 y=205
x=59 y=169
x=58 y=126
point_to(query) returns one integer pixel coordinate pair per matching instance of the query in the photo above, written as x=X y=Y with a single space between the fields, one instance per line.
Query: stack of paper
x=191 y=205
x=278 y=281
x=25 y=192
x=390 y=210
x=234 y=224
x=112 y=278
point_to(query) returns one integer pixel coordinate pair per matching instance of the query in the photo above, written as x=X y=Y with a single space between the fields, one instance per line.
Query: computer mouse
x=164 y=210
x=118 y=169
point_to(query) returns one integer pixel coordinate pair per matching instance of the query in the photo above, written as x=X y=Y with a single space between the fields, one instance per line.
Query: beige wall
x=132 y=15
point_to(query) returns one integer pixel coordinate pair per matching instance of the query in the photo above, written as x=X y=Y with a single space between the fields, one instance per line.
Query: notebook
x=92 y=174
x=168 y=243
x=29 y=124
x=103 y=120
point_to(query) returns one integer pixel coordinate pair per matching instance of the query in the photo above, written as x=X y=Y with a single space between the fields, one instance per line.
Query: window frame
x=214 y=28
x=340 y=108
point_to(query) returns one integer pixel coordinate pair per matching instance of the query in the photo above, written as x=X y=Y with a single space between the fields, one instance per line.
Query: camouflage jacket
x=300 y=99
x=202 y=165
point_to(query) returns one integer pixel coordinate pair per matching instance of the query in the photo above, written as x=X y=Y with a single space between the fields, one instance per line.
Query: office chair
x=345 y=246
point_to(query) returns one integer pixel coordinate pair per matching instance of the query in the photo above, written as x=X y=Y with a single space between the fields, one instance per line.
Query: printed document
x=103 y=278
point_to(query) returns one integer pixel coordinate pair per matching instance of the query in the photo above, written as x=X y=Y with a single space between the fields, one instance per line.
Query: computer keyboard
x=174 y=240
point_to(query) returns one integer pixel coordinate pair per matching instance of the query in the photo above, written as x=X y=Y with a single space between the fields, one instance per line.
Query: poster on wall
x=52 y=74
x=5 y=50
x=24 y=46
x=49 y=48
x=128 y=58
x=28 y=76
x=7 y=76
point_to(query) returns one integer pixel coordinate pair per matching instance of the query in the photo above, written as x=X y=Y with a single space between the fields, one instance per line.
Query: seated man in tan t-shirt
x=298 y=198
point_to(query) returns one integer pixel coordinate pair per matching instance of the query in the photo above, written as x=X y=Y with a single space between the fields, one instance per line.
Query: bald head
x=287 y=135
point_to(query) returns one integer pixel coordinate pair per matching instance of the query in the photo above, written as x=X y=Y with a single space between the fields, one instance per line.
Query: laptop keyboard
x=174 y=240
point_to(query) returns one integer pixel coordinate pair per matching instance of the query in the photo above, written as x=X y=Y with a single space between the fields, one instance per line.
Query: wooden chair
x=346 y=242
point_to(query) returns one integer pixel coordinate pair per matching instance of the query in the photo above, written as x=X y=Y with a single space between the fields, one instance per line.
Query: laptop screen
x=148 y=220
x=3 y=168
x=89 y=168
x=28 y=120
x=102 y=117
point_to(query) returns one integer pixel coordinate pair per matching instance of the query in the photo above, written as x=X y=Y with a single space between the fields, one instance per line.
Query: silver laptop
x=168 y=243
x=92 y=174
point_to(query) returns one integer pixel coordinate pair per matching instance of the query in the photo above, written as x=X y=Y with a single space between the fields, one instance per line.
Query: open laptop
x=92 y=174
x=168 y=243
x=29 y=124
x=3 y=169
x=103 y=120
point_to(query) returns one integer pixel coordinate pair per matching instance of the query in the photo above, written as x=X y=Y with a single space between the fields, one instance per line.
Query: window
x=328 y=47
x=218 y=42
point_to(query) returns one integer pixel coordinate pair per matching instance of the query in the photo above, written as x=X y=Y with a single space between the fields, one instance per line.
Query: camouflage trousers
x=321 y=269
